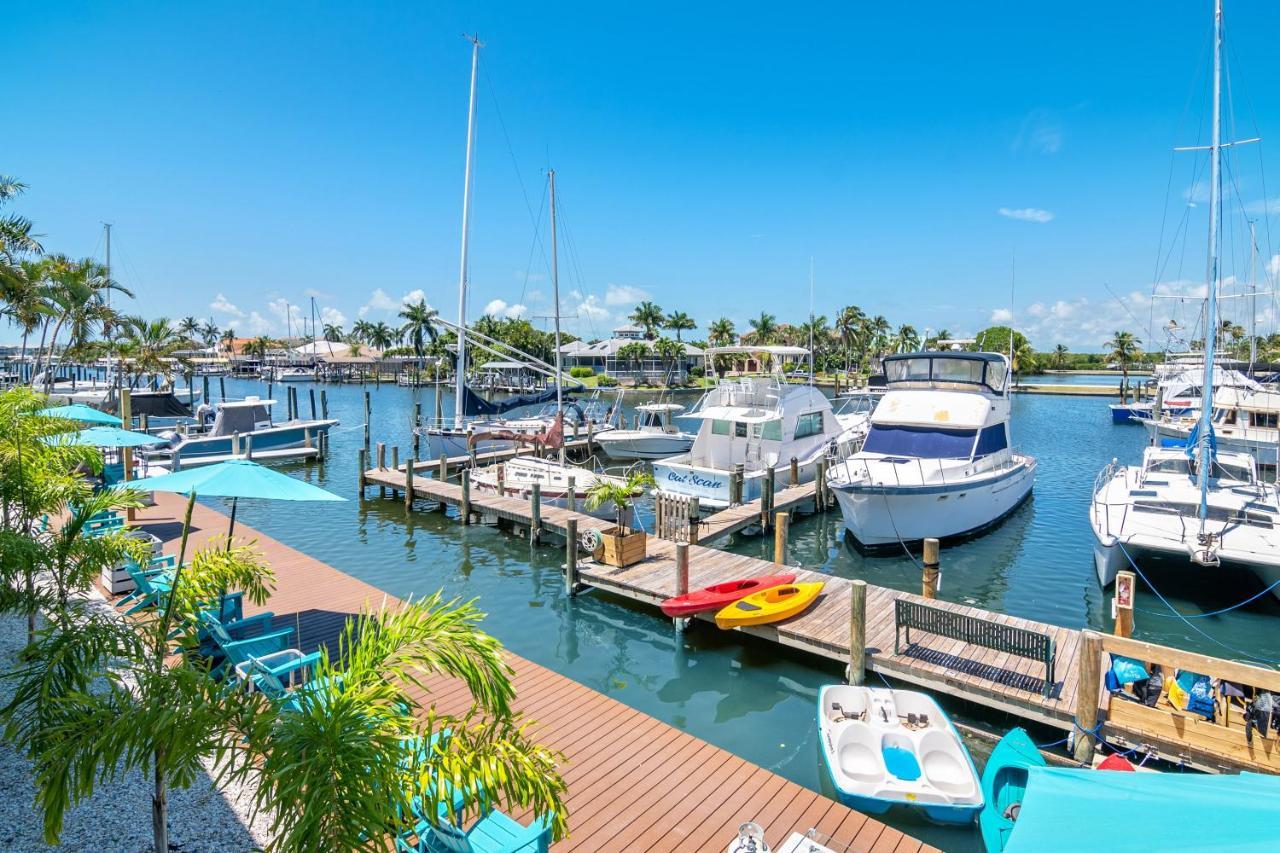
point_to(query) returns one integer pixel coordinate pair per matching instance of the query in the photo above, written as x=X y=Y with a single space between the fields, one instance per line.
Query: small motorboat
x=769 y=605
x=720 y=595
x=653 y=437
x=1004 y=784
x=886 y=748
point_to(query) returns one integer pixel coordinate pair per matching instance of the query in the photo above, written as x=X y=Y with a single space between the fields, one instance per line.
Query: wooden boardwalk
x=635 y=783
x=739 y=518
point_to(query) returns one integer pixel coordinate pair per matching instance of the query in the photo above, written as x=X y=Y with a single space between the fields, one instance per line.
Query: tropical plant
x=764 y=329
x=228 y=340
x=678 y=321
x=380 y=336
x=1124 y=350
x=620 y=493
x=24 y=297
x=360 y=330
x=259 y=346
x=189 y=327
x=332 y=333
x=669 y=352
x=907 y=339
x=149 y=344
x=649 y=317
x=1060 y=354
x=632 y=353
x=721 y=332
x=418 y=323
x=209 y=333
x=77 y=295
x=16 y=239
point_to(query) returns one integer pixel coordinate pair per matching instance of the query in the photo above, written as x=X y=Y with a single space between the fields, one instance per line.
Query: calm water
x=1081 y=379
x=749 y=697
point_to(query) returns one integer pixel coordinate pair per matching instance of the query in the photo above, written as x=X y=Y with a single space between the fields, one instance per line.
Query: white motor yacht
x=1177 y=393
x=293 y=374
x=760 y=423
x=937 y=461
x=1245 y=420
x=654 y=436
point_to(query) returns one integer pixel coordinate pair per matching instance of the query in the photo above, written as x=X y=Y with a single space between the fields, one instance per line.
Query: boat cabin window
x=957 y=370
x=809 y=424
x=1186 y=467
x=739 y=429
x=922 y=442
x=992 y=439
x=771 y=430
x=908 y=370
x=721 y=427
x=1269 y=420
x=941 y=368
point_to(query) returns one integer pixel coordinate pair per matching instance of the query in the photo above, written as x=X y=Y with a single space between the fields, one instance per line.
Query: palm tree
x=209 y=334
x=418 y=321
x=332 y=333
x=381 y=336
x=722 y=333
x=24 y=299
x=16 y=239
x=1060 y=353
x=259 y=346
x=669 y=351
x=678 y=321
x=632 y=353
x=150 y=343
x=850 y=322
x=906 y=339
x=1124 y=350
x=360 y=331
x=764 y=329
x=77 y=294
x=229 y=341
x=190 y=328
x=649 y=317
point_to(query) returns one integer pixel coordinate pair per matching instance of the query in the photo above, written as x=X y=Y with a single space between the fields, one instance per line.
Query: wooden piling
x=857 y=632
x=205 y=390
x=682 y=568
x=464 y=506
x=367 y=409
x=735 y=484
x=932 y=569
x=235 y=444
x=362 y=459
x=382 y=456
x=440 y=403
x=408 y=481
x=695 y=516
x=395 y=456
x=222 y=388
x=324 y=403
x=571 y=557
x=781 y=521
x=442 y=474
x=535 y=514
x=248 y=447
x=417 y=424
x=1122 y=603
x=306 y=437
x=571 y=495
x=795 y=472
x=311 y=392
x=766 y=498
x=1089 y=667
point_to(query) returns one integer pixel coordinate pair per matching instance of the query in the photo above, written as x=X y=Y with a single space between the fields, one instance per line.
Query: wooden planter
x=621 y=550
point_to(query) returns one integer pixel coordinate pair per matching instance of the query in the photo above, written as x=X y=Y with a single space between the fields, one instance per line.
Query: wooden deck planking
x=634 y=782
x=737 y=518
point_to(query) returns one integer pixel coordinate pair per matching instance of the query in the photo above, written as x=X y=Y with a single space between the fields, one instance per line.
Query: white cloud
x=1041 y=132
x=517 y=310
x=413 y=297
x=333 y=316
x=316 y=294
x=1036 y=309
x=499 y=308
x=1026 y=214
x=259 y=325
x=1000 y=316
x=378 y=301
x=624 y=294
x=591 y=309
x=495 y=307
x=224 y=306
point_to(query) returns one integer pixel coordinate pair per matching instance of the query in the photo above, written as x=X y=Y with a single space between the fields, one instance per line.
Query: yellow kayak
x=769 y=605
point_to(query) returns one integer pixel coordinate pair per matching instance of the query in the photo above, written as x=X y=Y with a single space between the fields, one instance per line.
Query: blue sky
x=255 y=154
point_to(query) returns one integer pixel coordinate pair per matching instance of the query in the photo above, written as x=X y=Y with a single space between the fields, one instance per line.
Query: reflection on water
x=745 y=695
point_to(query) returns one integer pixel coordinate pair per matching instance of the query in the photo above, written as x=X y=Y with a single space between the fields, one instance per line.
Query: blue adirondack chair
x=232 y=647
x=99 y=526
x=266 y=673
x=495 y=832
x=455 y=795
x=151 y=585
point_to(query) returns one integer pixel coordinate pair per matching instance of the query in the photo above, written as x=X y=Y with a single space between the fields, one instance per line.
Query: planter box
x=621 y=550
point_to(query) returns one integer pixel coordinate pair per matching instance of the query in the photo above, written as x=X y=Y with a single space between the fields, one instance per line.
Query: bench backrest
x=970 y=629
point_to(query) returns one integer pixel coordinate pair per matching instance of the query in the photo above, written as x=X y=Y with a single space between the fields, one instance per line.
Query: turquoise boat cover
x=1068 y=809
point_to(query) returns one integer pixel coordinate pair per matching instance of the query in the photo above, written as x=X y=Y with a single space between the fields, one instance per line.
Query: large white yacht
x=760 y=423
x=1155 y=508
x=1246 y=419
x=1178 y=392
x=937 y=462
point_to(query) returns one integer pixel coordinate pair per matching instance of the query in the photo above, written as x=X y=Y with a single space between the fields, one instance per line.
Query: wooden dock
x=992 y=679
x=738 y=518
x=635 y=783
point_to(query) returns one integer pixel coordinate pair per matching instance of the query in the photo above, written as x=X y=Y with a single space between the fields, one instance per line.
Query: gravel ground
x=118 y=816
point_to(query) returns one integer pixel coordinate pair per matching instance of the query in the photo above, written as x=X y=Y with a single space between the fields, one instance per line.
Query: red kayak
x=722 y=594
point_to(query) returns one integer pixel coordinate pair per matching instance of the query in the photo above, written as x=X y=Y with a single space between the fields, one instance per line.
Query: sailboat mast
x=461 y=380
x=1204 y=448
x=555 y=296
x=1253 y=294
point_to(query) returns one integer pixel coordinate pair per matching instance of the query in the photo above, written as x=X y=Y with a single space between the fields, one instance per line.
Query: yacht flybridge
x=937 y=461
x=760 y=423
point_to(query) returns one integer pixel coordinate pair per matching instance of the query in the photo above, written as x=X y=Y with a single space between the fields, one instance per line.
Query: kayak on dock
x=769 y=605
x=886 y=748
x=720 y=595
x=1004 y=784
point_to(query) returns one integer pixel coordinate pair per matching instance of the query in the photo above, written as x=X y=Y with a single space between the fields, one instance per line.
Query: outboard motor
x=205 y=415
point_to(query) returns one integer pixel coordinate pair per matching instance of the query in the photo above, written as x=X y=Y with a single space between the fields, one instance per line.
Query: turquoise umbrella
x=235 y=479
x=80 y=412
x=105 y=436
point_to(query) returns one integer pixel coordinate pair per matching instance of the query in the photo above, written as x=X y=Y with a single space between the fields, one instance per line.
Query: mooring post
x=395 y=456
x=1122 y=603
x=766 y=498
x=857 y=632
x=248 y=447
x=205 y=389
x=535 y=513
x=571 y=495
x=235 y=444
x=735 y=484
x=382 y=455
x=1088 y=674
x=695 y=516
x=682 y=568
x=222 y=388
x=417 y=424
x=311 y=392
x=795 y=472
x=361 y=460
x=591 y=435
x=443 y=473
x=571 y=557
x=465 y=506
x=819 y=480
x=932 y=569
x=408 y=480
x=367 y=409
x=324 y=403
x=780 y=523
x=306 y=437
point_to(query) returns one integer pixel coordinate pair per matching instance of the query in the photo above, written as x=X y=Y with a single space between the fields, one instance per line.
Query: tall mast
x=106 y=227
x=1204 y=449
x=811 y=378
x=555 y=295
x=461 y=379
x=1253 y=294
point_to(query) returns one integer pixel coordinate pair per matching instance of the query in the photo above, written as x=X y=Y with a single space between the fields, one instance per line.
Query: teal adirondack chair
x=496 y=832
x=151 y=585
x=455 y=795
x=230 y=644
x=99 y=526
x=266 y=673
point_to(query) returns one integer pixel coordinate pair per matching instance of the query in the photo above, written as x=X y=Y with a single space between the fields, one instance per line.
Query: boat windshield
x=920 y=442
x=941 y=367
x=1183 y=466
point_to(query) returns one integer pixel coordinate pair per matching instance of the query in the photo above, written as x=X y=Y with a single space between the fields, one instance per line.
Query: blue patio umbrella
x=105 y=436
x=80 y=412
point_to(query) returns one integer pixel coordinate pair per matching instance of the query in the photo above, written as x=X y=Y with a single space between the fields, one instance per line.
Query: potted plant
x=620 y=545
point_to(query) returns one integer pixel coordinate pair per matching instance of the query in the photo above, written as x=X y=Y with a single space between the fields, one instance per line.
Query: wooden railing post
x=535 y=513
x=571 y=557
x=465 y=505
x=932 y=569
x=1089 y=663
x=780 y=522
x=857 y=632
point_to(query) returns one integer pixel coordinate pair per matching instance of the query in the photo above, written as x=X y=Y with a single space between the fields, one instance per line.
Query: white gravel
x=118 y=816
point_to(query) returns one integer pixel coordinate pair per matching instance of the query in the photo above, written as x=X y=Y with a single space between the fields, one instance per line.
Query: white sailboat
x=1198 y=503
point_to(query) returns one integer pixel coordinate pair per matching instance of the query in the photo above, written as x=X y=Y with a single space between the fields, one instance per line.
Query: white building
x=602 y=357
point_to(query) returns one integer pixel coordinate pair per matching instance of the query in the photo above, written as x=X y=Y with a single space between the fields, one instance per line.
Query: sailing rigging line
x=575 y=267
x=534 y=245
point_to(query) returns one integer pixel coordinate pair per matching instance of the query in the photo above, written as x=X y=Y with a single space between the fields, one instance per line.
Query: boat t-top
x=937 y=461
x=654 y=435
x=759 y=423
x=245 y=422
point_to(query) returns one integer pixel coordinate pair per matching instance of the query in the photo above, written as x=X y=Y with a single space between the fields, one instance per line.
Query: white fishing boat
x=1177 y=393
x=937 y=461
x=759 y=423
x=1194 y=502
x=293 y=374
x=885 y=748
x=655 y=435
x=232 y=428
x=1245 y=420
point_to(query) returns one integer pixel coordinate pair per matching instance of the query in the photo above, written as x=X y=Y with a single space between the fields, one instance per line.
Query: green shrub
x=606 y=381
x=581 y=372
x=697 y=372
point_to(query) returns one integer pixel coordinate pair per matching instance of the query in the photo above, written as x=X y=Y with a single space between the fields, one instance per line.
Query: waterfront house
x=603 y=358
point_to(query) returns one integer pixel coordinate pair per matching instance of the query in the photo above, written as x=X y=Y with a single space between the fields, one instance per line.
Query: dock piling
x=857 y=632
x=311 y=392
x=222 y=388
x=781 y=521
x=535 y=514
x=735 y=484
x=682 y=568
x=464 y=506
x=1122 y=603
x=324 y=403
x=932 y=569
x=205 y=396
x=795 y=472
x=235 y=444
x=820 y=485
x=443 y=474
x=408 y=480
x=382 y=456
x=248 y=447
x=361 y=460
x=571 y=557
x=417 y=422
x=395 y=456
x=571 y=495
x=766 y=497
x=1089 y=663
x=695 y=513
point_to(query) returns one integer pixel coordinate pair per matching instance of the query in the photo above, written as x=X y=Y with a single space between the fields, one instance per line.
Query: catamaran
x=759 y=423
x=937 y=462
x=1195 y=502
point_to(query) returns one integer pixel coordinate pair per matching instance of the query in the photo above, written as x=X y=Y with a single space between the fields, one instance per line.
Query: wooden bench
x=970 y=629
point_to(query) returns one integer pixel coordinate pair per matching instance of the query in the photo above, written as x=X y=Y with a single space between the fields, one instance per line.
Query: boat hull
x=281 y=437
x=711 y=485
x=626 y=445
x=1004 y=784
x=877 y=516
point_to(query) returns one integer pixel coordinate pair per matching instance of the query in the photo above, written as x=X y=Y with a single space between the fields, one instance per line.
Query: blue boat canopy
x=1109 y=810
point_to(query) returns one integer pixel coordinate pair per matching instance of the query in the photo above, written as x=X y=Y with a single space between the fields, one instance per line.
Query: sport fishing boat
x=760 y=423
x=937 y=461
x=654 y=436
x=1245 y=420
x=885 y=748
x=214 y=436
x=1193 y=501
x=1178 y=391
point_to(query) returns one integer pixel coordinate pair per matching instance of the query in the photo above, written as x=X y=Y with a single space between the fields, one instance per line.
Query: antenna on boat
x=461 y=379
x=811 y=320
x=555 y=299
